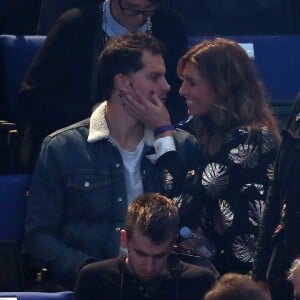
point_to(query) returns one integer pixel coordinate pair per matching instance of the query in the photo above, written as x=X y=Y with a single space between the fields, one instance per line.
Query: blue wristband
x=162 y=129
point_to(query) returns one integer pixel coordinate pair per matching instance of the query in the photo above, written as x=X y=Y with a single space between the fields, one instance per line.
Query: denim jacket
x=78 y=199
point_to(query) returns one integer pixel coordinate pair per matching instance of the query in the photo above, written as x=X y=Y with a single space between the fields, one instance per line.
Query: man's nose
x=141 y=18
x=166 y=85
x=149 y=264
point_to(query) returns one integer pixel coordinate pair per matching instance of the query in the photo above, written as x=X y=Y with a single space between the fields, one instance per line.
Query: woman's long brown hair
x=240 y=99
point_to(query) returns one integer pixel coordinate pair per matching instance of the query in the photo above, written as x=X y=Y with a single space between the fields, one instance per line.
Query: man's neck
x=126 y=131
x=163 y=274
x=132 y=286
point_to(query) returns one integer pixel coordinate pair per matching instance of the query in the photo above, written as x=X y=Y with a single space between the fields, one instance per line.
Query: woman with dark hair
x=230 y=116
x=222 y=92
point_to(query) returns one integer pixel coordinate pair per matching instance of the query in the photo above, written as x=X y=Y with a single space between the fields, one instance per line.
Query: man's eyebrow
x=161 y=254
x=139 y=251
x=146 y=254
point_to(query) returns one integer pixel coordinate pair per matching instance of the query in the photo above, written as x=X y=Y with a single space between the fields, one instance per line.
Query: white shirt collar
x=99 y=128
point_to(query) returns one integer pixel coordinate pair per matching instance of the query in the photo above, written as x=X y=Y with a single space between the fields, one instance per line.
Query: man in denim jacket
x=87 y=173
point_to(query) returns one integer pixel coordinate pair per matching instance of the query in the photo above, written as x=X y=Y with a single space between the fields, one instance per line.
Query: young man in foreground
x=149 y=270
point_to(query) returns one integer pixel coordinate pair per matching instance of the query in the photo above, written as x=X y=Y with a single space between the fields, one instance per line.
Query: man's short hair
x=295 y=268
x=238 y=287
x=123 y=55
x=154 y=216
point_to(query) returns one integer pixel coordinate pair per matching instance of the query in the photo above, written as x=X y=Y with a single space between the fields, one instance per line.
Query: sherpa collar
x=99 y=129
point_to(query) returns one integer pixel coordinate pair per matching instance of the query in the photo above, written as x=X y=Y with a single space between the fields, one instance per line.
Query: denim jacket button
x=118 y=165
x=87 y=184
x=117 y=229
x=120 y=199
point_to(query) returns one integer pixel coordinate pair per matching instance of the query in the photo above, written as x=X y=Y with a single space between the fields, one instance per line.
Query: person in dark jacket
x=149 y=270
x=279 y=243
x=51 y=10
x=88 y=172
x=59 y=88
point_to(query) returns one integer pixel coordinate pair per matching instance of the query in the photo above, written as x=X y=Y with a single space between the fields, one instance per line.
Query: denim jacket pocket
x=87 y=194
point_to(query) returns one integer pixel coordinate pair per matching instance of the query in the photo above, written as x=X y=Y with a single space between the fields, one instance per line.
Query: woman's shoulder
x=253 y=135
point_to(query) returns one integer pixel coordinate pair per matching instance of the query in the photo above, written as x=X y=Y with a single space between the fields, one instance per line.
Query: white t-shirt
x=132 y=169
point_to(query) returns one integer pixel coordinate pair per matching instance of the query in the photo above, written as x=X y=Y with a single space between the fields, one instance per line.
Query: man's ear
x=121 y=82
x=123 y=234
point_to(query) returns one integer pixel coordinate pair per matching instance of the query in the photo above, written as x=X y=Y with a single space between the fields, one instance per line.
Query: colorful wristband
x=162 y=129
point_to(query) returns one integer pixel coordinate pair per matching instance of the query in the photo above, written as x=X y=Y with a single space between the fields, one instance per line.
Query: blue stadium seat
x=13 y=189
x=277 y=61
x=277 y=58
x=67 y=295
x=16 y=54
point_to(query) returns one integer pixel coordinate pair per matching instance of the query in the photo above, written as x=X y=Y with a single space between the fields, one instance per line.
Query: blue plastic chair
x=13 y=194
x=277 y=60
x=16 y=54
x=67 y=295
